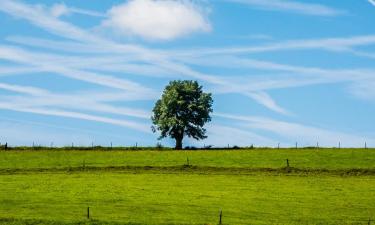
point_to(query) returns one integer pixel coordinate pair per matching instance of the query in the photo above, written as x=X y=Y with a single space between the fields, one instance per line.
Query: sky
x=280 y=71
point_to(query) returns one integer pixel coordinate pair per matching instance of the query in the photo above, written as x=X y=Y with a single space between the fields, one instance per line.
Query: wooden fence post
x=287 y=162
x=88 y=212
x=220 y=216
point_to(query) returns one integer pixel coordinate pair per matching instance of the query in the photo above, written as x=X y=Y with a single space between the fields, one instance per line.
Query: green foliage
x=182 y=111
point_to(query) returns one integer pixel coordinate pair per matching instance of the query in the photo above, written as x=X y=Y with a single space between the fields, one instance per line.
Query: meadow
x=249 y=186
x=245 y=158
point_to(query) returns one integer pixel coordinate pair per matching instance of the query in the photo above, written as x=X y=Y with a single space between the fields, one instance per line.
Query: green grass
x=188 y=198
x=265 y=158
x=325 y=186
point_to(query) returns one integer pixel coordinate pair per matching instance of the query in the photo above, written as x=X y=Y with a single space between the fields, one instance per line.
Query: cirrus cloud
x=157 y=19
x=60 y=9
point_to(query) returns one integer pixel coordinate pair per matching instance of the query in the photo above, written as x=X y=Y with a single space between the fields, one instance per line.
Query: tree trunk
x=178 y=143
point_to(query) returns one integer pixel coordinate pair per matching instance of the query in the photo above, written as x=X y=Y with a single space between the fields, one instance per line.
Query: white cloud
x=292 y=6
x=157 y=19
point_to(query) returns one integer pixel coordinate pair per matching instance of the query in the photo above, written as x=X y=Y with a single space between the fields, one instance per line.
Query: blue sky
x=281 y=71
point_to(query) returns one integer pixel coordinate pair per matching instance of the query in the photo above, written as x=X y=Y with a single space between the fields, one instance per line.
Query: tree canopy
x=182 y=111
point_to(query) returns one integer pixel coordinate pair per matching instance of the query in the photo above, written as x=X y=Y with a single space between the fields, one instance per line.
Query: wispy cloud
x=283 y=76
x=75 y=115
x=295 y=132
x=372 y=2
x=48 y=63
x=66 y=30
x=364 y=90
x=267 y=101
x=25 y=133
x=38 y=97
x=61 y=9
x=23 y=89
x=336 y=44
x=160 y=59
x=100 y=61
x=292 y=6
x=314 y=75
x=43 y=18
x=260 y=37
x=222 y=135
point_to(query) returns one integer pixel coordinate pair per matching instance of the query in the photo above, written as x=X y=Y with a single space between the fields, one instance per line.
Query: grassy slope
x=188 y=198
x=321 y=159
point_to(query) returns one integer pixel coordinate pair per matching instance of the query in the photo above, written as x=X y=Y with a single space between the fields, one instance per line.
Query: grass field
x=153 y=187
x=259 y=158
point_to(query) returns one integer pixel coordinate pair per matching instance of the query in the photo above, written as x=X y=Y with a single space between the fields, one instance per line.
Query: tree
x=182 y=111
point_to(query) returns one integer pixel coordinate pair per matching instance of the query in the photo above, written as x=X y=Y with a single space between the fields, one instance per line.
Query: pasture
x=321 y=186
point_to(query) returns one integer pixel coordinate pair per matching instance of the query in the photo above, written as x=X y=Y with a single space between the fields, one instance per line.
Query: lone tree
x=182 y=111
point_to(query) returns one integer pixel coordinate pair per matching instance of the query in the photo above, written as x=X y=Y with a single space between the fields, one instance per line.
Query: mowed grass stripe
x=195 y=170
x=258 y=158
x=187 y=198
